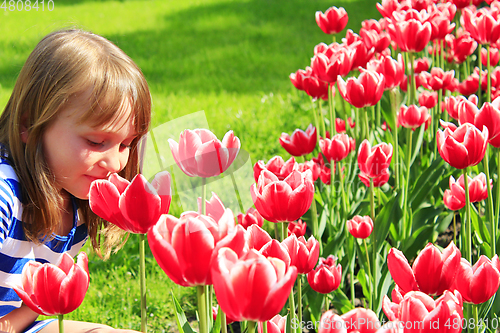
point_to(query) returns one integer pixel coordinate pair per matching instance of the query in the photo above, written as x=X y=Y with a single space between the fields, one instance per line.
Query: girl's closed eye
x=95 y=144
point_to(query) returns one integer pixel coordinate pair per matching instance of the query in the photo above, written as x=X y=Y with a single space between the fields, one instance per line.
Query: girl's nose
x=111 y=160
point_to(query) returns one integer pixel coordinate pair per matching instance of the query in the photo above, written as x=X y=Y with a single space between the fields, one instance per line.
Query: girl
x=76 y=114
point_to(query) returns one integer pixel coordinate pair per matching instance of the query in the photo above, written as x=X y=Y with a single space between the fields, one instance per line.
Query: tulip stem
x=203 y=196
x=395 y=136
x=299 y=297
x=240 y=203
x=491 y=215
x=454 y=228
x=372 y=283
x=264 y=326
x=142 y=269
x=223 y=322
x=476 y=323
x=353 y=296
x=411 y=82
x=315 y=116
x=480 y=65
x=344 y=199
x=488 y=66
x=314 y=212
x=323 y=126
x=251 y=327
x=495 y=222
x=367 y=126
x=407 y=220
x=332 y=192
x=468 y=221
x=202 y=309
x=61 y=323
x=331 y=102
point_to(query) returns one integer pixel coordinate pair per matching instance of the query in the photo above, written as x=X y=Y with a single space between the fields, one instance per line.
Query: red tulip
x=432 y=272
x=437 y=79
x=419 y=313
x=326 y=277
x=280 y=201
x=378 y=40
x=277 y=166
x=374 y=161
x=360 y=226
x=404 y=84
x=251 y=217
x=488 y=116
x=362 y=52
x=410 y=35
x=333 y=20
x=257 y=237
x=421 y=65
x=326 y=173
x=303 y=255
x=199 y=152
x=451 y=104
x=337 y=148
x=251 y=287
x=297 y=78
x=470 y=85
x=390 y=6
x=462 y=46
x=215 y=311
x=463 y=147
x=428 y=99
x=276 y=325
x=494 y=56
x=482 y=26
x=441 y=25
x=52 y=290
x=454 y=198
x=184 y=248
x=413 y=117
x=300 y=142
x=378 y=181
x=337 y=60
x=340 y=124
x=480 y=282
x=214 y=207
x=275 y=249
x=315 y=87
x=310 y=165
x=361 y=320
x=392 y=70
x=132 y=206
x=297 y=228
x=366 y=90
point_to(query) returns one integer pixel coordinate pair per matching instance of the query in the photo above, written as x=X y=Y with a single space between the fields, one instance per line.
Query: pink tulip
x=463 y=147
x=337 y=60
x=454 y=198
x=280 y=201
x=428 y=99
x=214 y=207
x=483 y=27
x=333 y=20
x=310 y=165
x=132 y=206
x=251 y=287
x=200 y=154
x=185 y=247
x=494 y=56
x=297 y=228
x=360 y=226
x=276 y=325
x=326 y=277
x=337 y=148
x=480 y=282
x=374 y=161
x=378 y=181
x=437 y=79
x=410 y=35
x=52 y=290
x=300 y=142
x=366 y=90
x=432 y=272
x=413 y=116
x=257 y=237
x=251 y=217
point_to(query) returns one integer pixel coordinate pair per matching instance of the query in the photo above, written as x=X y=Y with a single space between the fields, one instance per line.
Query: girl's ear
x=23 y=128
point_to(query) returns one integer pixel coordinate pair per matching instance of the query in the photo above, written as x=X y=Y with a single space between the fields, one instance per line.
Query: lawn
x=230 y=59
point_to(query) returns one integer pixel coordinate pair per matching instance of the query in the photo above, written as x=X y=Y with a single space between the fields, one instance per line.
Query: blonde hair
x=63 y=65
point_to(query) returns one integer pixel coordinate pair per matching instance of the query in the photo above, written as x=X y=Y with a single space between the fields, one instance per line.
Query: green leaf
x=417 y=144
x=426 y=182
x=218 y=321
x=341 y=302
x=479 y=226
x=390 y=213
x=180 y=317
x=417 y=240
x=363 y=281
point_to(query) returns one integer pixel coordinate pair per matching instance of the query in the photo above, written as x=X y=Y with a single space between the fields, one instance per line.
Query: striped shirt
x=15 y=249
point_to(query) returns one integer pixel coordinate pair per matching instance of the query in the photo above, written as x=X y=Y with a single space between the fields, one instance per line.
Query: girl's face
x=78 y=154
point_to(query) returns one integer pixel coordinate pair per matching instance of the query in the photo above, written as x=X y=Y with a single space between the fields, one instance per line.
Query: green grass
x=230 y=59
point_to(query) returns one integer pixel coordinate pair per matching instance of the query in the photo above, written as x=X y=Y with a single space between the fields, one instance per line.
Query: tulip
x=463 y=147
x=325 y=278
x=333 y=20
x=340 y=124
x=184 y=248
x=310 y=165
x=199 y=152
x=132 y=206
x=251 y=287
x=494 y=56
x=428 y=99
x=374 y=161
x=361 y=320
x=462 y=46
x=390 y=6
x=378 y=181
x=470 y=85
x=454 y=198
x=257 y=237
x=214 y=207
x=410 y=35
x=328 y=67
x=441 y=25
x=437 y=79
x=297 y=228
x=482 y=26
x=251 y=217
x=280 y=201
x=303 y=255
x=51 y=290
x=215 y=311
x=366 y=90
x=360 y=226
x=392 y=70
x=315 y=87
x=276 y=325
x=297 y=78
x=480 y=282
x=412 y=116
x=362 y=53
x=277 y=166
x=419 y=313
x=300 y=142
x=275 y=249
x=488 y=116
x=337 y=148
x=432 y=272
x=325 y=174
x=451 y=104
x=378 y=40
